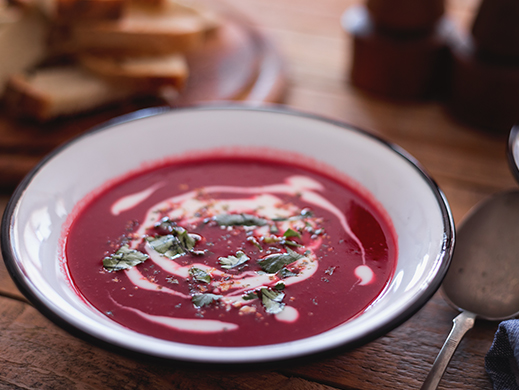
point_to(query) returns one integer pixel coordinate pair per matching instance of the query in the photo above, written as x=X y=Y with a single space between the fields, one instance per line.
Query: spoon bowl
x=484 y=275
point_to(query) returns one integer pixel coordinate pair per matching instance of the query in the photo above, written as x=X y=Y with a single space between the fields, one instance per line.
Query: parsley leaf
x=285 y=273
x=292 y=243
x=255 y=242
x=200 y=300
x=165 y=224
x=199 y=275
x=250 y=296
x=168 y=246
x=279 y=240
x=124 y=258
x=187 y=241
x=273 y=263
x=272 y=300
x=239 y=220
x=234 y=261
x=292 y=233
x=176 y=244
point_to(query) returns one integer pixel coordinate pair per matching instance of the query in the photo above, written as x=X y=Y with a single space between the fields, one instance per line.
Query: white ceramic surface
x=513 y=151
x=33 y=220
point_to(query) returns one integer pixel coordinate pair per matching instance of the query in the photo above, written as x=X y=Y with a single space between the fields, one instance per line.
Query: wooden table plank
x=38 y=355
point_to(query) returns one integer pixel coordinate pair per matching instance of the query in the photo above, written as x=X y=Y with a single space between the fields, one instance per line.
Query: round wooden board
x=238 y=63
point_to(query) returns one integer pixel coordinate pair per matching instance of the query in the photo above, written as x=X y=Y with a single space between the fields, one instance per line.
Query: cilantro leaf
x=234 y=261
x=239 y=220
x=124 y=258
x=199 y=275
x=272 y=300
x=273 y=263
x=200 y=300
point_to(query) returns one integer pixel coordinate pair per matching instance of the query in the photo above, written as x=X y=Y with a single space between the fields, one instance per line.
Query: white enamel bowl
x=513 y=151
x=39 y=207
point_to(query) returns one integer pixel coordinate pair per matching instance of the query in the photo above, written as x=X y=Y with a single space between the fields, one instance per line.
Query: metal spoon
x=483 y=279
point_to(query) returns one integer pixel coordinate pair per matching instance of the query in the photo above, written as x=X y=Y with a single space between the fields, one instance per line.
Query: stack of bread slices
x=63 y=57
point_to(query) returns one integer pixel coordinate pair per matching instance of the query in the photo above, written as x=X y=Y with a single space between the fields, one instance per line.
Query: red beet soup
x=230 y=252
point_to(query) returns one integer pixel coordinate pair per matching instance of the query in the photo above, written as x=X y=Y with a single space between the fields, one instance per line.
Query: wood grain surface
x=468 y=164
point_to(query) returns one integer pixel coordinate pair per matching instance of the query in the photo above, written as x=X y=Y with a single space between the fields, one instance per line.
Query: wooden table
x=469 y=165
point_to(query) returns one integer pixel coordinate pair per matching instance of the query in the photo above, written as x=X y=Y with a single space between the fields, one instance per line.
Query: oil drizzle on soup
x=230 y=252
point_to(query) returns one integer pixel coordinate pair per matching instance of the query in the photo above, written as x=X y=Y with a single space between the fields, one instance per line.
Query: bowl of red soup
x=227 y=235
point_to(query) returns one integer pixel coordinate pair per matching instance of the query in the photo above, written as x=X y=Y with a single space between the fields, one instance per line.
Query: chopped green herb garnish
x=272 y=239
x=239 y=220
x=200 y=300
x=285 y=273
x=188 y=241
x=273 y=263
x=306 y=213
x=168 y=246
x=272 y=300
x=279 y=240
x=292 y=243
x=176 y=244
x=250 y=296
x=165 y=224
x=124 y=258
x=255 y=242
x=233 y=261
x=292 y=233
x=172 y=280
x=279 y=286
x=199 y=275
x=330 y=270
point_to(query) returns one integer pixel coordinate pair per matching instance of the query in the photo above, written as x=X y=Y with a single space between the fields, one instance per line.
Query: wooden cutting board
x=238 y=63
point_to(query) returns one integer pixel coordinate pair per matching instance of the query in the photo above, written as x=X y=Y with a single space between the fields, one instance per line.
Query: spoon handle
x=461 y=325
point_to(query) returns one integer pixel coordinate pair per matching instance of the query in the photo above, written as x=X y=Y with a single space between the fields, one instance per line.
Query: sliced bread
x=142 y=30
x=72 y=11
x=144 y=73
x=59 y=91
x=23 y=35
